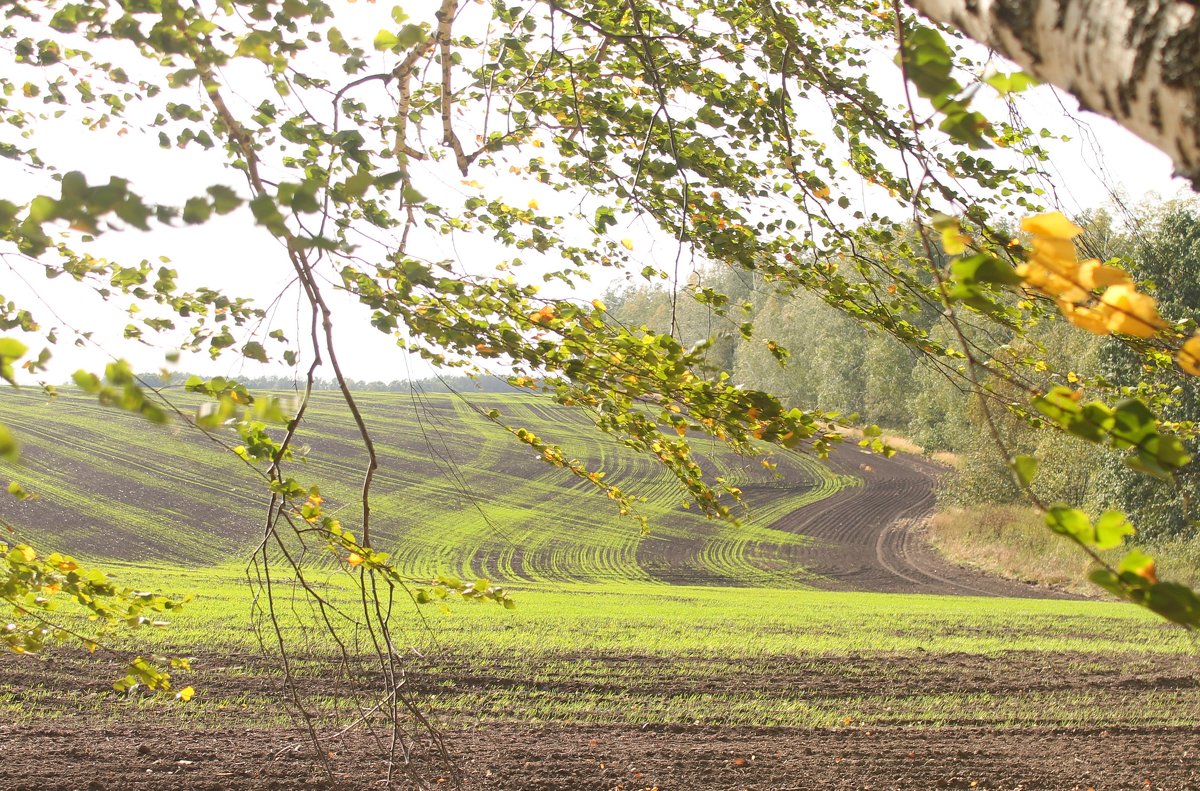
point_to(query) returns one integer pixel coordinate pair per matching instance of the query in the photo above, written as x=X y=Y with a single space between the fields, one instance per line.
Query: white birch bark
x=1135 y=61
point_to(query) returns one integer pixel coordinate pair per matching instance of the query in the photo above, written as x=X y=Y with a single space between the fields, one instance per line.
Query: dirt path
x=871 y=537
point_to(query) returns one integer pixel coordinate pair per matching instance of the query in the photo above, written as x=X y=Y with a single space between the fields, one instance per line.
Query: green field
x=455 y=494
x=698 y=626
x=640 y=653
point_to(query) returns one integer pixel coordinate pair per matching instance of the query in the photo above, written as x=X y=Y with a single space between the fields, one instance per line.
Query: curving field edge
x=873 y=537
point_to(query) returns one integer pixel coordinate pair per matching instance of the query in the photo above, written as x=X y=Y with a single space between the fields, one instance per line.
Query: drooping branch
x=1135 y=61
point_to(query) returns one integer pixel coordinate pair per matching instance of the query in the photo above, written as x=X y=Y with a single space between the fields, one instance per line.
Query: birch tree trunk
x=1135 y=61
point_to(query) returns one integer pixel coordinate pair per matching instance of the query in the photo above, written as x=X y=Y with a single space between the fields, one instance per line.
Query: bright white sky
x=229 y=253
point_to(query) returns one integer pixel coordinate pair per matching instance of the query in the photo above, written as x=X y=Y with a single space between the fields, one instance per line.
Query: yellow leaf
x=1132 y=313
x=1050 y=282
x=1052 y=225
x=957 y=243
x=627 y=244
x=543 y=316
x=598 y=304
x=1094 y=320
x=1142 y=566
x=822 y=193
x=1189 y=356
x=186 y=694
x=533 y=205
x=355 y=560
x=1093 y=275
x=1057 y=255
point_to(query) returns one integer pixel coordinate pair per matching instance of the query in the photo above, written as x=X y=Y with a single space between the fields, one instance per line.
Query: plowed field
x=822 y=646
x=116 y=747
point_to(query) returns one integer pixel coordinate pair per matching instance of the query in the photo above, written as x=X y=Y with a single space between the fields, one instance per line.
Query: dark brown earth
x=117 y=757
x=871 y=537
x=223 y=740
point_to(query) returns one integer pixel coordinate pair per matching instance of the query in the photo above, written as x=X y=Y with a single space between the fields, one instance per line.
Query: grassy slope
x=454 y=493
x=1012 y=541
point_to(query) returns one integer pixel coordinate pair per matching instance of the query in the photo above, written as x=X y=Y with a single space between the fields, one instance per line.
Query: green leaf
x=710 y=116
x=267 y=214
x=385 y=40
x=1174 y=602
x=1134 y=421
x=604 y=218
x=224 y=199
x=87 y=382
x=1024 y=469
x=1169 y=451
x=411 y=195
x=1070 y=522
x=255 y=351
x=1136 y=562
x=928 y=62
x=12 y=349
x=1016 y=82
x=9 y=447
x=1111 y=530
x=1107 y=580
x=409 y=35
x=196 y=211
x=983 y=268
x=357 y=185
x=967 y=127
x=43 y=208
x=1147 y=465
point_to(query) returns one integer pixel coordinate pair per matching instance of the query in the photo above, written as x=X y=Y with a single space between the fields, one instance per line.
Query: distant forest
x=442 y=384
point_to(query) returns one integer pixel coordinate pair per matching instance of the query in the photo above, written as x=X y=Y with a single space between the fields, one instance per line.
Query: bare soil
x=121 y=757
x=872 y=537
x=90 y=742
